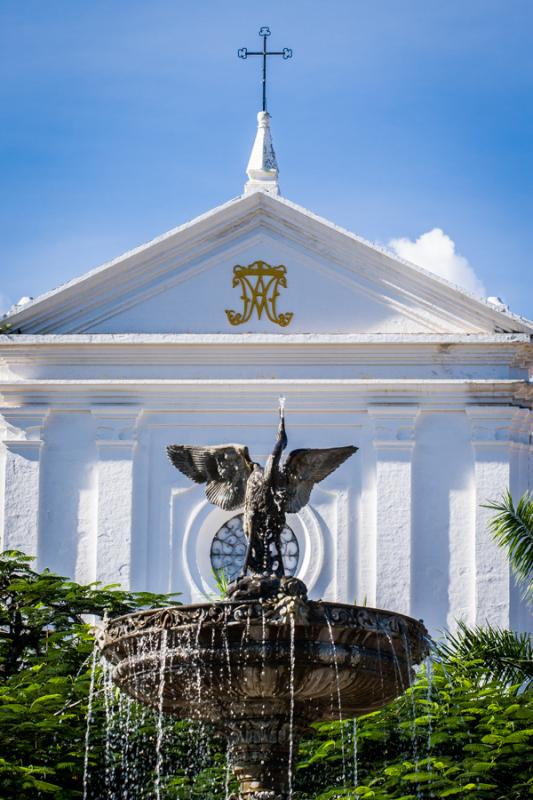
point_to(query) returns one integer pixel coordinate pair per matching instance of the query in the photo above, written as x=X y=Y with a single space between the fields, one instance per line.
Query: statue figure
x=267 y=495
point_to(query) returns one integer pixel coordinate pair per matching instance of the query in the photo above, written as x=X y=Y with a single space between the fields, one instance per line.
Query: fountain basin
x=211 y=655
x=261 y=669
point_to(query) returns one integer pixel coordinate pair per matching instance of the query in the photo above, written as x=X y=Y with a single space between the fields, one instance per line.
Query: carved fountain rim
x=233 y=612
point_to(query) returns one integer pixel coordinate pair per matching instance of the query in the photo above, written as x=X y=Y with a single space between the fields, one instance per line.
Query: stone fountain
x=265 y=662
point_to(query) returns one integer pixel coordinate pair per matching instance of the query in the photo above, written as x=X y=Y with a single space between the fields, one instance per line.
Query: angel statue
x=267 y=494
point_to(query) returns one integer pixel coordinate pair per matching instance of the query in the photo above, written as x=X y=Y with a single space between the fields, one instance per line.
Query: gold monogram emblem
x=260 y=288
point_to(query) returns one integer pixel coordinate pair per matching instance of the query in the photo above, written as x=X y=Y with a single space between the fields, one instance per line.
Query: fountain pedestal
x=262 y=752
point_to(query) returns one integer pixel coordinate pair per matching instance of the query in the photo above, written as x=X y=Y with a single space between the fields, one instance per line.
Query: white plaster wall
x=92 y=494
x=443 y=563
x=68 y=505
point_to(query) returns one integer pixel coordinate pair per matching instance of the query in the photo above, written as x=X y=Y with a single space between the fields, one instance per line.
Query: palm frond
x=222 y=582
x=490 y=654
x=513 y=529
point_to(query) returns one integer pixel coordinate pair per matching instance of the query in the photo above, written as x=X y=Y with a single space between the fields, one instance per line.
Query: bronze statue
x=234 y=480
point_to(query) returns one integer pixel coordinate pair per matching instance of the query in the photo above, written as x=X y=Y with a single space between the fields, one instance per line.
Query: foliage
x=490 y=654
x=513 y=529
x=462 y=732
x=449 y=736
x=222 y=582
x=45 y=654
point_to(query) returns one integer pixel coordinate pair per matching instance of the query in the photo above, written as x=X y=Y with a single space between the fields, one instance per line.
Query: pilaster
x=394 y=440
x=23 y=431
x=521 y=450
x=116 y=443
x=491 y=438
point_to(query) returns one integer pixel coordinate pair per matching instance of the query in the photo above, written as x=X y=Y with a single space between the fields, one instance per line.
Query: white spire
x=262 y=167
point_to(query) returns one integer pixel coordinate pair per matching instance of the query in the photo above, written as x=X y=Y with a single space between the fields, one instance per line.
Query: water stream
x=94 y=661
x=291 y=706
x=160 y=725
x=429 y=677
x=339 y=701
x=355 y=765
x=109 y=755
x=412 y=702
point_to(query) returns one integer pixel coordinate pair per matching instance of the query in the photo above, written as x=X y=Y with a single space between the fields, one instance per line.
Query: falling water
x=263 y=658
x=160 y=728
x=412 y=701
x=263 y=643
x=225 y=644
x=108 y=689
x=227 y=660
x=382 y=685
x=125 y=717
x=355 y=770
x=291 y=707
x=227 y=776
x=140 y=714
x=337 y=684
x=429 y=676
x=401 y=685
x=89 y=723
x=202 y=742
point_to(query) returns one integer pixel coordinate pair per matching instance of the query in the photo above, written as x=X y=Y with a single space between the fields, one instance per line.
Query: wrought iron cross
x=243 y=52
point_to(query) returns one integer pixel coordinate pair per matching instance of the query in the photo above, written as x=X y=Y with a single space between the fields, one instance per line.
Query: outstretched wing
x=224 y=468
x=304 y=468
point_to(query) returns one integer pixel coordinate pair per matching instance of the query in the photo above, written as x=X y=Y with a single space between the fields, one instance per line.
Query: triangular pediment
x=334 y=282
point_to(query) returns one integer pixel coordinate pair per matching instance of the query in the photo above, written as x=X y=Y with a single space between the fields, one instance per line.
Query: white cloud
x=436 y=252
x=5 y=303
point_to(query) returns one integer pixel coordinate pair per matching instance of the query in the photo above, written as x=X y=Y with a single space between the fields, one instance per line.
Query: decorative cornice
x=522 y=428
x=260 y=394
x=493 y=426
x=120 y=339
x=23 y=447
x=24 y=425
x=23 y=429
x=115 y=427
x=514 y=350
x=394 y=427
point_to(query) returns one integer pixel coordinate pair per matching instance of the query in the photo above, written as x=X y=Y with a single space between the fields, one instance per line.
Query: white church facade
x=193 y=337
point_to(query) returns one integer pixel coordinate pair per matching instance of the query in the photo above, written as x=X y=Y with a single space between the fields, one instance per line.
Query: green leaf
x=480 y=766
x=518 y=736
x=417 y=777
x=512 y=709
x=512 y=528
x=45 y=698
x=43 y=786
x=492 y=738
x=15 y=708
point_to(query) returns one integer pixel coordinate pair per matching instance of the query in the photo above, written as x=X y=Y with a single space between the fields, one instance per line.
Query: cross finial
x=243 y=52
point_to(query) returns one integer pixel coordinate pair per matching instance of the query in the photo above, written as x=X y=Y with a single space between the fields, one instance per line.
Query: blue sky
x=123 y=118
